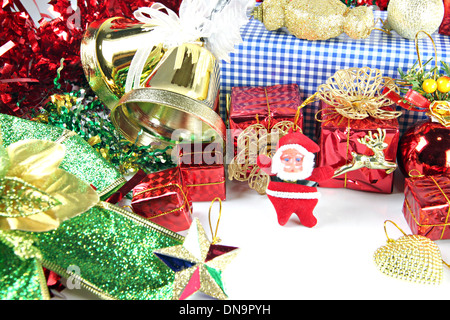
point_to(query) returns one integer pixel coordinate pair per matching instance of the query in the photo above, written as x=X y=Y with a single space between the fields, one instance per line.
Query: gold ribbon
x=346 y=152
x=440 y=110
x=268 y=109
x=185 y=199
x=215 y=239
x=206 y=184
x=416 y=41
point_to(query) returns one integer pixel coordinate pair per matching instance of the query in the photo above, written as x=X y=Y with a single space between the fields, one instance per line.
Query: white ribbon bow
x=197 y=19
x=170 y=30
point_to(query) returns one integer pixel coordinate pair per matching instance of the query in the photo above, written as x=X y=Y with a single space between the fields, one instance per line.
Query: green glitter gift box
x=81 y=159
x=109 y=251
x=106 y=249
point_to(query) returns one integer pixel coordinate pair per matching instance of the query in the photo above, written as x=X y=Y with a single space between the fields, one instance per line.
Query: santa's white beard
x=294 y=176
x=307 y=166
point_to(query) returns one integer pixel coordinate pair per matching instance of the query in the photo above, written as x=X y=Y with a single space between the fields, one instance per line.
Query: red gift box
x=163 y=198
x=264 y=105
x=426 y=206
x=444 y=28
x=339 y=145
x=202 y=167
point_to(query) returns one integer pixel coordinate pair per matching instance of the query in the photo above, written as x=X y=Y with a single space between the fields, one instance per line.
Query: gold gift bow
x=355 y=102
x=258 y=180
x=185 y=199
x=391 y=240
x=34 y=177
x=440 y=110
x=446 y=223
x=33 y=167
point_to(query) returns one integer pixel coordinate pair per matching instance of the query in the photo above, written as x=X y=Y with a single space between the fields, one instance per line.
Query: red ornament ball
x=425 y=149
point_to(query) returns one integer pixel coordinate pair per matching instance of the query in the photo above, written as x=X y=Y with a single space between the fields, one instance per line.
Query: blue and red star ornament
x=198 y=264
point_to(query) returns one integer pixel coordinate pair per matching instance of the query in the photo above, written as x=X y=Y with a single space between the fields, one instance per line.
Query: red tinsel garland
x=30 y=55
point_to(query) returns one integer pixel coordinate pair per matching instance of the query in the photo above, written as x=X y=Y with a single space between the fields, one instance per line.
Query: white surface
x=333 y=260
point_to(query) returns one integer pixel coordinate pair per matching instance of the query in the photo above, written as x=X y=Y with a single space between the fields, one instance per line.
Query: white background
x=333 y=260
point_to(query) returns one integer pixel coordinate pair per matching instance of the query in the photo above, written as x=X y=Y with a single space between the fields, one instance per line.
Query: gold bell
x=107 y=49
x=179 y=101
x=179 y=90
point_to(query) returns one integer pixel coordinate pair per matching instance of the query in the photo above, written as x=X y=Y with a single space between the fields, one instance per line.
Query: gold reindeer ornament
x=376 y=143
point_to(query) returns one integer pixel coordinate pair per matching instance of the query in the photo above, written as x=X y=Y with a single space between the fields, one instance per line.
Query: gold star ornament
x=198 y=264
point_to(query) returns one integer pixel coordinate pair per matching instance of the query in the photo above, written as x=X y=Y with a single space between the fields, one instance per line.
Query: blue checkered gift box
x=267 y=58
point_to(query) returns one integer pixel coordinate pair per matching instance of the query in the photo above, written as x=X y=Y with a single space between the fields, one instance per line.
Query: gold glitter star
x=198 y=264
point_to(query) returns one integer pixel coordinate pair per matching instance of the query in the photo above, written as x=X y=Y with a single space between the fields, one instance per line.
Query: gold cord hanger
x=215 y=239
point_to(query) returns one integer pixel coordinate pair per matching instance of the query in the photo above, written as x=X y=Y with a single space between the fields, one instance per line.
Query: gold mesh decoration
x=256 y=140
x=356 y=93
x=413 y=258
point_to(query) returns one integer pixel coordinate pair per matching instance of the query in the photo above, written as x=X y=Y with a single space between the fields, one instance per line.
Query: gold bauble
x=407 y=17
x=316 y=19
x=359 y=22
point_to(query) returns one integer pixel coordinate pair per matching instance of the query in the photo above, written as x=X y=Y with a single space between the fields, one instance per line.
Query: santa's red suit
x=294 y=192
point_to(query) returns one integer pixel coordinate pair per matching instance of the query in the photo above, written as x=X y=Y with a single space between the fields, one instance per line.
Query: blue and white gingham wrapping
x=275 y=57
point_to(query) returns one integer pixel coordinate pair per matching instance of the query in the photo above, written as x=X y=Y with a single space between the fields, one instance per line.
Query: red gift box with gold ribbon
x=359 y=130
x=163 y=198
x=349 y=146
x=265 y=105
x=202 y=167
x=427 y=206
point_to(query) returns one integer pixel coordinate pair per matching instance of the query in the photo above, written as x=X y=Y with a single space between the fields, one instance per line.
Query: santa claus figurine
x=294 y=178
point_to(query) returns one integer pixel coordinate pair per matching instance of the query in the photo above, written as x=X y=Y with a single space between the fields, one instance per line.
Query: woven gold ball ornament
x=413 y=258
x=407 y=17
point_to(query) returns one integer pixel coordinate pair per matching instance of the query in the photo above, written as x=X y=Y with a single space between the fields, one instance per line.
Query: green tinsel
x=89 y=118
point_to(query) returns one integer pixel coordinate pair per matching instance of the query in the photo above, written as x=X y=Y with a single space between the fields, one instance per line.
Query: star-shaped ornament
x=198 y=264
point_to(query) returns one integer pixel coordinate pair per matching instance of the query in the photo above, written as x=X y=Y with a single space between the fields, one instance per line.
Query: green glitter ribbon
x=109 y=251
x=21 y=273
x=80 y=159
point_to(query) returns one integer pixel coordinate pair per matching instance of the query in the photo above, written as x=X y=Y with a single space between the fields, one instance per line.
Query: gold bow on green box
x=36 y=195
x=52 y=217
x=80 y=158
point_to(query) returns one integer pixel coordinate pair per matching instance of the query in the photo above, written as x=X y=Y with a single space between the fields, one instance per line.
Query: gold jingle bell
x=177 y=98
x=107 y=49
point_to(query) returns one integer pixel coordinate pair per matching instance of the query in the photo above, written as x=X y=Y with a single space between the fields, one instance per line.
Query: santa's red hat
x=298 y=138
